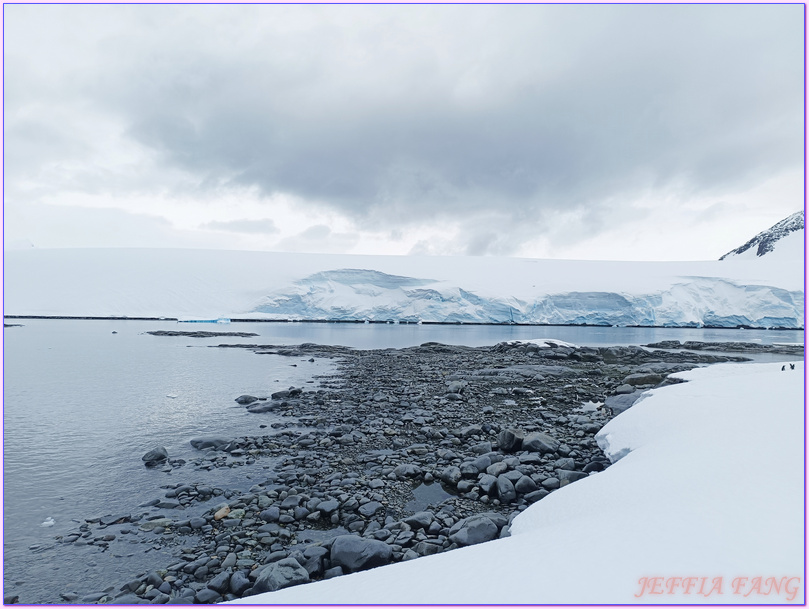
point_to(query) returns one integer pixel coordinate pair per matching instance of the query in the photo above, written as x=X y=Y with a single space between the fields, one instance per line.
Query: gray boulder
x=353 y=553
x=220 y=583
x=261 y=407
x=550 y=483
x=209 y=442
x=505 y=489
x=487 y=482
x=525 y=485
x=207 y=596
x=419 y=520
x=456 y=387
x=567 y=476
x=539 y=442
x=472 y=530
x=618 y=403
x=451 y=475
x=594 y=466
x=407 y=470
x=155 y=456
x=643 y=378
x=239 y=583
x=328 y=507
x=282 y=574
x=126 y=599
x=246 y=399
x=370 y=508
x=564 y=463
x=510 y=440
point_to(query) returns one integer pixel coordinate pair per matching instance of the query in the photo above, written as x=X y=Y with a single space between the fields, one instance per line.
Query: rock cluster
x=494 y=429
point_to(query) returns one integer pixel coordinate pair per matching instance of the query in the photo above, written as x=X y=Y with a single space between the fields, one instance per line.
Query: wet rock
x=420 y=520
x=239 y=583
x=550 y=483
x=282 y=574
x=407 y=470
x=451 y=475
x=567 y=476
x=151 y=525
x=540 y=442
x=473 y=530
x=510 y=440
x=353 y=553
x=155 y=456
x=261 y=407
x=230 y=561
x=505 y=489
x=643 y=378
x=209 y=442
x=525 y=485
x=619 y=403
x=220 y=583
x=206 y=596
x=246 y=399
x=370 y=508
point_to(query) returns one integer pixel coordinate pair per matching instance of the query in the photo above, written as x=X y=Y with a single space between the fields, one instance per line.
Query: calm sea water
x=82 y=405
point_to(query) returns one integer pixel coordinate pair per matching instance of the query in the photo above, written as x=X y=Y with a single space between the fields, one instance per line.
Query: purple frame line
x=804 y=310
x=376 y=3
x=460 y=3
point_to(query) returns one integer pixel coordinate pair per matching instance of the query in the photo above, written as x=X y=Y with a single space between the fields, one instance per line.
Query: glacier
x=357 y=294
x=741 y=291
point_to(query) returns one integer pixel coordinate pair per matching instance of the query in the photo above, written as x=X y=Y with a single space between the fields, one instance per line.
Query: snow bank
x=238 y=284
x=709 y=485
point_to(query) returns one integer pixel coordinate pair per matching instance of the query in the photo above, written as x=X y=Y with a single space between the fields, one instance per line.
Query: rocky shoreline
x=403 y=453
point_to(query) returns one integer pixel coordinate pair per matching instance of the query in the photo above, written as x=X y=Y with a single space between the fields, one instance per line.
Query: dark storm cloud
x=401 y=114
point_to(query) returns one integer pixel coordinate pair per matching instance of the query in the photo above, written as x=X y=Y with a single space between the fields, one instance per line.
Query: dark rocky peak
x=765 y=241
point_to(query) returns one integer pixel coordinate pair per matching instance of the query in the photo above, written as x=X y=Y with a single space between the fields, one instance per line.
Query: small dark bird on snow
x=784 y=367
x=792 y=366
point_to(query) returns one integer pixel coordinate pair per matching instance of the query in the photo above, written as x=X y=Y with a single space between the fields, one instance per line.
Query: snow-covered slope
x=708 y=486
x=202 y=283
x=786 y=237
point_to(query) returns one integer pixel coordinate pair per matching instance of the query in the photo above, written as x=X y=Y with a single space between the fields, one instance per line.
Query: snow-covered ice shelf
x=205 y=284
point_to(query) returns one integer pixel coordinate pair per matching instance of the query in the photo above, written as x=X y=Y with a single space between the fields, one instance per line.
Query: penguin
x=784 y=367
x=792 y=366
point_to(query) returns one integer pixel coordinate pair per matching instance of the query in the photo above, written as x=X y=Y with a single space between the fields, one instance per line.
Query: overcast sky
x=596 y=132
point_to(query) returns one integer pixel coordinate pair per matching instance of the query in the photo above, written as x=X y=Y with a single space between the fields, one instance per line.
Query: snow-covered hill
x=786 y=238
x=239 y=284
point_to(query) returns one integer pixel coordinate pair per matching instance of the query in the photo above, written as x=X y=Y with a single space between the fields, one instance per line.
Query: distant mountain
x=765 y=241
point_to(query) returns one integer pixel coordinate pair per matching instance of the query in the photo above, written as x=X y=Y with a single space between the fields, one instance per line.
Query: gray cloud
x=319 y=237
x=259 y=227
x=395 y=115
x=43 y=225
